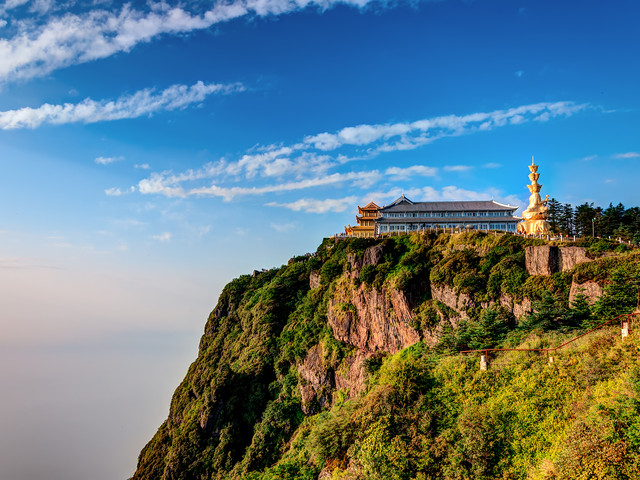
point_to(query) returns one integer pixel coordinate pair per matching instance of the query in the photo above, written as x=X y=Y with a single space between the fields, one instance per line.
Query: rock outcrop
x=572 y=256
x=542 y=260
x=589 y=289
x=314 y=280
x=372 y=256
x=317 y=383
x=548 y=259
x=370 y=320
x=458 y=302
x=519 y=309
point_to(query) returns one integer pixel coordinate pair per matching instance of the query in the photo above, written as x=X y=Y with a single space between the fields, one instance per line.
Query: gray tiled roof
x=460 y=206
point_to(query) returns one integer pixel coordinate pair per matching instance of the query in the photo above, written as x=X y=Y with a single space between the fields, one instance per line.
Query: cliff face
x=286 y=345
x=549 y=259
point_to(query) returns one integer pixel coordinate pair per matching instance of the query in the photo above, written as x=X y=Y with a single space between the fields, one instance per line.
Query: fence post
x=483 y=362
x=625 y=328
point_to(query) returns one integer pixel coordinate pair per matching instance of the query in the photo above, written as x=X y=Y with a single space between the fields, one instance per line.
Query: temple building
x=366 y=222
x=403 y=215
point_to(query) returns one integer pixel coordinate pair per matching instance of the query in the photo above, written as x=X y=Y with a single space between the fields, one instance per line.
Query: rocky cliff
x=549 y=259
x=284 y=347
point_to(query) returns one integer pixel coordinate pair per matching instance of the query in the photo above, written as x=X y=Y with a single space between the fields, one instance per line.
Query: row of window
x=509 y=227
x=446 y=214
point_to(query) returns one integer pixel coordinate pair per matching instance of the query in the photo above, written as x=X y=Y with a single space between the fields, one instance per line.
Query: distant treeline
x=585 y=220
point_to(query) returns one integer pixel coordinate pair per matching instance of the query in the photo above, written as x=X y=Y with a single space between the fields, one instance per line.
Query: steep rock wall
x=590 y=289
x=370 y=320
x=548 y=259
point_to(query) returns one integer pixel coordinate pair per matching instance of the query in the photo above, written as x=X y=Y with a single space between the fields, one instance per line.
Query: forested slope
x=346 y=364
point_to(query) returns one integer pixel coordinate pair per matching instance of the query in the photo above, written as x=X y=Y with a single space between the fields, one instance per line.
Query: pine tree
x=620 y=295
x=546 y=315
x=584 y=217
x=554 y=214
x=579 y=314
x=565 y=223
x=612 y=219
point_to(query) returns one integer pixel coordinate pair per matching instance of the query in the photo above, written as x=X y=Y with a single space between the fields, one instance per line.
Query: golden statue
x=534 y=218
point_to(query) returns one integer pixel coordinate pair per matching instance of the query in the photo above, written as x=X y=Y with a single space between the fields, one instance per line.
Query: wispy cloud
x=142 y=166
x=116 y=192
x=309 y=163
x=143 y=102
x=491 y=165
x=107 y=160
x=402 y=136
x=283 y=227
x=458 y=168
x=158 y=183
x=626 y=155
x=39 y=48
x=318 y=206
x=397 y=173
x=163 y=237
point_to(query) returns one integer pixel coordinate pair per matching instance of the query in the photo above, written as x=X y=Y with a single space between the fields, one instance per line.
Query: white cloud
x=143 y=102
x=142 y=166
x=308 y=164
x=38 y=49
x=116 y=192
x=279 y=161
x=11 y=4
x=283 y=227
x=626 y=155
x=168 y=186
x=3 y=23
x=163 y=237
x=107 y=160
x=458 y=168
x=397 y=173
x=412 y=135
x=311 y=205
x=492 y=165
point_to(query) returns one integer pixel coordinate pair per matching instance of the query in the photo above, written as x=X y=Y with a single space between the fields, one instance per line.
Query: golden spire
x=535 y=216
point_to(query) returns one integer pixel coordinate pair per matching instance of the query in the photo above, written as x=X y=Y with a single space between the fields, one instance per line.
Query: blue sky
x=152 y=151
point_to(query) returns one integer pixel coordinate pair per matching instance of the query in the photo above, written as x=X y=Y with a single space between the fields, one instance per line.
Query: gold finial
x=536 y=214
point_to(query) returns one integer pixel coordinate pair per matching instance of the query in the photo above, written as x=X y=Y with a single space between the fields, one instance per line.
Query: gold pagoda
x=366 y=226
x=534 y=218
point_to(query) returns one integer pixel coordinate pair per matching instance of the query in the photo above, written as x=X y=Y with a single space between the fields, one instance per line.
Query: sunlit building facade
x=403 y=216
x=366 y=222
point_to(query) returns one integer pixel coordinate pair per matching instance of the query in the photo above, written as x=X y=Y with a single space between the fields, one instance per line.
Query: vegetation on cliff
x=295 y=382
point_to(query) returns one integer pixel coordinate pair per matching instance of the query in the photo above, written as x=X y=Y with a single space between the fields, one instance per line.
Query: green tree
x=546 y=314
x=584 y=218
x=490 y=329
x=555 y=209
x=612 y=219
x=565 y=221
x=620 y=295
x=579 y=314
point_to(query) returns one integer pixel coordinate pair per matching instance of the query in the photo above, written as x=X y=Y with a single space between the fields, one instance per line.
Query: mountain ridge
x=287 y=351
